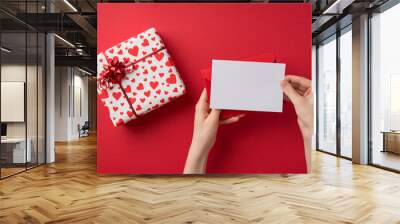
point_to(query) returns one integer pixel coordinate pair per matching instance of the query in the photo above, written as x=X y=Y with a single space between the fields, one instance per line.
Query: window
x=22 y=75
x=385 y=89
x=314 y=88
x=327 y=96
x=394 y=101
x=346 y=93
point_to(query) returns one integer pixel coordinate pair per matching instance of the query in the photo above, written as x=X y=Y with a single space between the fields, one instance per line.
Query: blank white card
x=242 y=85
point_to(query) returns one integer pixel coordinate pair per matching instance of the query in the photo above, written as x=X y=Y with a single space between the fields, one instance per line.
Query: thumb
x=214 y=114
x=290 y=91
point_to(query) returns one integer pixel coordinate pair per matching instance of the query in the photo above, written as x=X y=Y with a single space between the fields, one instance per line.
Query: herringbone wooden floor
x=70 y=191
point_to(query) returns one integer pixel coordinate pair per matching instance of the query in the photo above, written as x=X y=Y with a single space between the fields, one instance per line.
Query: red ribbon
x=113 y=73
x=116 y=70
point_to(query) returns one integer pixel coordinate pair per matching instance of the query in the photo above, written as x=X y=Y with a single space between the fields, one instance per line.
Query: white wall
x=79 y=117
x=61 y=103
x=70 y=83
x=12 y=73
x=33 y=127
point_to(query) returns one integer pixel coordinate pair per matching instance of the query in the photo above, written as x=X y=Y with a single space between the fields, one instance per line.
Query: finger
x=309 y=92
x=202 y=105
x=301 y=82
x=286 y=98
x=300 y=89
x=203 y=94
x=232 y=119
x=290 y=92
x=214 y=115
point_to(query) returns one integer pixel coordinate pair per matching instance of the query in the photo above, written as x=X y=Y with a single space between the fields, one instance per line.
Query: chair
x=84 y=130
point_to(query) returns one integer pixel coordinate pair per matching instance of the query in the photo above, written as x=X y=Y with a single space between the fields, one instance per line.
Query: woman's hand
x=298 y=90
x=204 y=135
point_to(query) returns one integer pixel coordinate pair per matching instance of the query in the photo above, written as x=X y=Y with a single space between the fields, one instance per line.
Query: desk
x=13 y=150
x=391 y=141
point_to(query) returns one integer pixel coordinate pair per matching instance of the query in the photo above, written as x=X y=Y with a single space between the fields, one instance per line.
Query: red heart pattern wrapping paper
x=150 y=82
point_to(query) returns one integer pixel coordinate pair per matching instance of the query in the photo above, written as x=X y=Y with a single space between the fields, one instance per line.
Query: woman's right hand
x=298 y=90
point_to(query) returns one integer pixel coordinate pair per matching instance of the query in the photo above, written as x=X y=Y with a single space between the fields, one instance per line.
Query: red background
x=195 y=34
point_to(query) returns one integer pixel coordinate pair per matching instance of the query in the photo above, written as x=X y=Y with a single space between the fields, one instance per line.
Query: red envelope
x=206 y=73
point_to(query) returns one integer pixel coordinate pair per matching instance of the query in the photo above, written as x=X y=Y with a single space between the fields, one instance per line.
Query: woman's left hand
x=205 y=130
